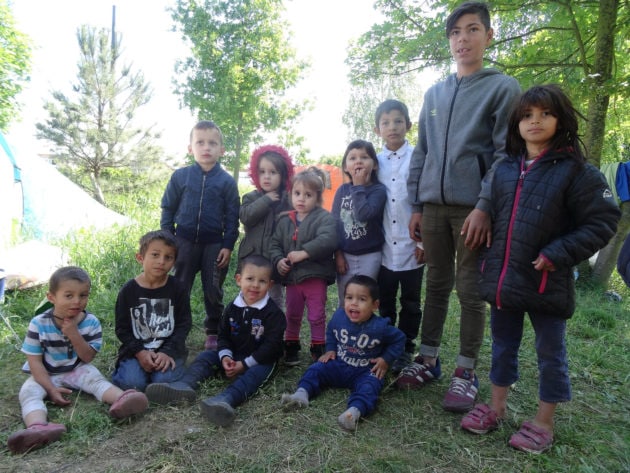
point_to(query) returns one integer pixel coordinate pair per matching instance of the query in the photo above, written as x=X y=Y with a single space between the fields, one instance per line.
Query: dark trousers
x=208 y=364
x=365 y=387
x=410 y=283
x=193 y=258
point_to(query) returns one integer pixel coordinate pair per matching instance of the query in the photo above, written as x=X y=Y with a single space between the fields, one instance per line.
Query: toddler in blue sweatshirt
x=360 y=348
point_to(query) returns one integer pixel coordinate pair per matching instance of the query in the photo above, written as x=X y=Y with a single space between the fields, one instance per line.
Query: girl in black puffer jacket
x=550 y=210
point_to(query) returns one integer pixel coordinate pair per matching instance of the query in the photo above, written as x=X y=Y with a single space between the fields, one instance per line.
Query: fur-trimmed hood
x=256 y=155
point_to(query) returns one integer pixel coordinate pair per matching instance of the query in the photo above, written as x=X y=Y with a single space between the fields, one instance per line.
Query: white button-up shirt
x=399 y=249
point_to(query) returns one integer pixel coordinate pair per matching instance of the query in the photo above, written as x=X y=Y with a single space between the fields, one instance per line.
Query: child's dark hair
x=474 y=8
x=388 y=106
x=166 y=237
x=552 y=98
x=314 y=179
x=68 y=273
x=206 y=125
x=369 y=149
x=365 y=281
x=279 y=157
x=256 y=260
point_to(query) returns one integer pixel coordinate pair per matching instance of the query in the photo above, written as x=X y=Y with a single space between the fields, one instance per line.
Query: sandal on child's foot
x=531 y=438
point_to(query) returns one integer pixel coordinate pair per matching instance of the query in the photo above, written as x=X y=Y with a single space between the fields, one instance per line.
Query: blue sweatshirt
x=356 y=344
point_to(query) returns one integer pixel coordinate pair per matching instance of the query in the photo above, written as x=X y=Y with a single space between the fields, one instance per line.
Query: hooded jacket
x=258 y=213
x=461 y=133
x=558 y=208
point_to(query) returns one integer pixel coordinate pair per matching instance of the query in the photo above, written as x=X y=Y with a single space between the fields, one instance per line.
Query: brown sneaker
x=130 y=403
x=34 y=437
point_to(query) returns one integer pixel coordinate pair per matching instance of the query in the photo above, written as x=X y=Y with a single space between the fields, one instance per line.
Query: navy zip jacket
x=202 y=207
x=558 y=208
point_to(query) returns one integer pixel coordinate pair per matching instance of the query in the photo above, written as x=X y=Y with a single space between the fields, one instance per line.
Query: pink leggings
x=312 y=294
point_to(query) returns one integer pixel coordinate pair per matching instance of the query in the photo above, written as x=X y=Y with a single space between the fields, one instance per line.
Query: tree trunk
x=96 y=186
x=598 y=79
x=607 y=258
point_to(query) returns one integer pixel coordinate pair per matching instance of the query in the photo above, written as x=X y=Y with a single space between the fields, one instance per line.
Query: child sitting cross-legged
x=249 y=345
x=360 y=348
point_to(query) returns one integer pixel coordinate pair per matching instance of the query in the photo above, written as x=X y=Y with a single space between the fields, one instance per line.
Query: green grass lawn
x=409 y=432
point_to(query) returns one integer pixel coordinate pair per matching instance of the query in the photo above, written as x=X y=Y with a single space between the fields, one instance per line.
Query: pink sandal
x=531 y=439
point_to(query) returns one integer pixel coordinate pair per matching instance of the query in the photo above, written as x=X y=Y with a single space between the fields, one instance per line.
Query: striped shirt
x=45 y=339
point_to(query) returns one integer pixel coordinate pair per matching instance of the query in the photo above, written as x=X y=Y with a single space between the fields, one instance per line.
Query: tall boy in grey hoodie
x=461 y=134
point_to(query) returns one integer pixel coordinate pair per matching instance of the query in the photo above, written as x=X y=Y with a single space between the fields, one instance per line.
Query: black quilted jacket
x=558 y=208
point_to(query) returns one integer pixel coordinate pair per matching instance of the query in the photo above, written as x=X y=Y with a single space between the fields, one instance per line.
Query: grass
x=409 y=432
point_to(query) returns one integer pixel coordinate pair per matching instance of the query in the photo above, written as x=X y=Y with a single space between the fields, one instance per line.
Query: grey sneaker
x=170 y=393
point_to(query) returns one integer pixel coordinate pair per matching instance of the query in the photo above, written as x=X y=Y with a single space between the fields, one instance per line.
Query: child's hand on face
x=273 y=195
x=361 y=177
x=69 y=326
x=329 y=355
x=56 y=395
x=380 y=367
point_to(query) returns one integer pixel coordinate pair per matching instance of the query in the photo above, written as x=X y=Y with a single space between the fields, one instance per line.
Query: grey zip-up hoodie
x=461 y=133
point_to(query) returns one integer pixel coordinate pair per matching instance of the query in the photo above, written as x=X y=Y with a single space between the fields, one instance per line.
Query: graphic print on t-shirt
x=152 y=320
x=353 y=230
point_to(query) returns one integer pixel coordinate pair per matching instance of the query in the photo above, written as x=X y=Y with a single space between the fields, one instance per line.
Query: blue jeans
x=208 y=364
x=365 y=387
x=410 y=283
x=196 y=257
x=130 y=375
x=554 y=384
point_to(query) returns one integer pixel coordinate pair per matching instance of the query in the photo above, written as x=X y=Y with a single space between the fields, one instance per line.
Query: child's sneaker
x=211 y=343
x=481 y=420
x=35 y=436
x=170 y=393
x=462 y=392
x=218 y=411
x=417 y=374
x=130 y=403
x=531 y=439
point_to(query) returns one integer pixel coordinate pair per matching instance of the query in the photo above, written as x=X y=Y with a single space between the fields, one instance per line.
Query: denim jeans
x=450 y=264
x=208 y=364
x=554 y=384
x=130 y=375
x=410 y=283
x=193 y=258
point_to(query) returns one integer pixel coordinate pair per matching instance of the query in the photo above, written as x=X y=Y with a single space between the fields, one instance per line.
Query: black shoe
x=218 y=411
x=170 y=393
x=292 y=353
x=317 y=350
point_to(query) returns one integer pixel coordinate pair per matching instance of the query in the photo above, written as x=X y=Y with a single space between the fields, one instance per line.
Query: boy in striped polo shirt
x=59 y=346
